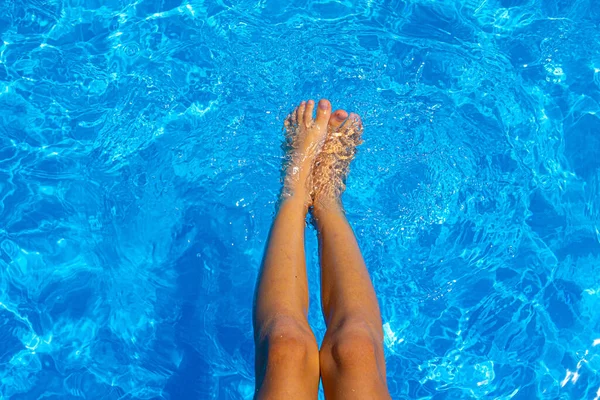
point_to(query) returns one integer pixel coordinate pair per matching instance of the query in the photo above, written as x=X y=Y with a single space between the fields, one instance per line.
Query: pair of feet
x=320 y=150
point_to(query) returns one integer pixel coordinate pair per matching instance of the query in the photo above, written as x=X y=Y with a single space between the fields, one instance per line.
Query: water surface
x=140 y=156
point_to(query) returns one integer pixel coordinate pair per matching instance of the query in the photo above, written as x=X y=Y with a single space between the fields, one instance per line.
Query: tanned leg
x=287 y=356
x=351 y=357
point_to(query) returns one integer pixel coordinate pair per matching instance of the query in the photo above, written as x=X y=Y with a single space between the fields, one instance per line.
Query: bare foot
x=305 y=138
x=333 y=162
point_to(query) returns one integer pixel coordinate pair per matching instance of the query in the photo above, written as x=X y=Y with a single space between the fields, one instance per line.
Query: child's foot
x=305 y=138
x=333 y=162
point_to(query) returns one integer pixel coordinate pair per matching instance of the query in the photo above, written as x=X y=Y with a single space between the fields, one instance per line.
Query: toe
x=355 y=121
x=323 y=113
x=308 y=113
x=337 y=119
x=290 y=120
x=300 y=113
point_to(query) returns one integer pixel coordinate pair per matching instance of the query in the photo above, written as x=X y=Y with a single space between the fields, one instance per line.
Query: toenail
x=323 y=105
x=311 y=102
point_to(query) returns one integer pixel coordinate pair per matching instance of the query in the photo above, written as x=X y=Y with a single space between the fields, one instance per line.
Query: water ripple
x=140 y=165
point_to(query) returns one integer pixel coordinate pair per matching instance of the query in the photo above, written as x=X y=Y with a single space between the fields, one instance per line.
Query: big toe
x=337 y=119
x=323 y=114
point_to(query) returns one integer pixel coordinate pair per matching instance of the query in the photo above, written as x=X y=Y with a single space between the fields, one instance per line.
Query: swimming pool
x=140 y=155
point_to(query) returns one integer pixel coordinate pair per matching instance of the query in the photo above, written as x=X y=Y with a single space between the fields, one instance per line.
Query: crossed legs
x=288 y=361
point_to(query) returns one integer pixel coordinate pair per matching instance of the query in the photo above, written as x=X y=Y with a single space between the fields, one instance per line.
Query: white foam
x=567 y=378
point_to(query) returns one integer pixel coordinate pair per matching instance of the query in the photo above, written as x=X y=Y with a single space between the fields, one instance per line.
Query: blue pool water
x=140 y=155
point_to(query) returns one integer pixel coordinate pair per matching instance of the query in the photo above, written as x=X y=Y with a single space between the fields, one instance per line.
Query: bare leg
x=351 y=357
x=287 y=355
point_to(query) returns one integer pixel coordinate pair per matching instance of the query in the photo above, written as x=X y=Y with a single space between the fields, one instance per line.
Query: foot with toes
x=333 y=162
x=305 y=136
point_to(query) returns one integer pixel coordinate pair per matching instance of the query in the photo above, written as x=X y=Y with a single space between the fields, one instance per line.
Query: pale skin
x=289 y=363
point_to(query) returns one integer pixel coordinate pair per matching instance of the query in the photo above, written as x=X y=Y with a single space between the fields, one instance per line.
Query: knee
x=353 y=343
x=289 y=341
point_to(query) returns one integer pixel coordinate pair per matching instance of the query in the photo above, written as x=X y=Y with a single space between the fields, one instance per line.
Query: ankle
x=327 y=205
x=295 y=200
